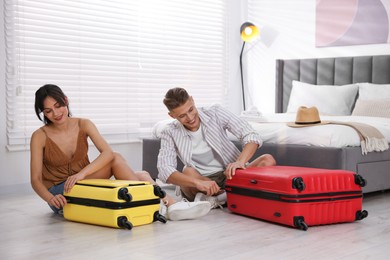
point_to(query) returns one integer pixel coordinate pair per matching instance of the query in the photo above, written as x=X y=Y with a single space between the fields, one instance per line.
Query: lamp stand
x=242 y=78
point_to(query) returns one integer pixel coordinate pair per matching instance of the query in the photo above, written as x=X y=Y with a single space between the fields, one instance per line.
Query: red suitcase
x=297 y=196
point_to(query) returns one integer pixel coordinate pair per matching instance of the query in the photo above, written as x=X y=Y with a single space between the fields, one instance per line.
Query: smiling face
x=187 y=114
x=54 y=111
x=50 y=101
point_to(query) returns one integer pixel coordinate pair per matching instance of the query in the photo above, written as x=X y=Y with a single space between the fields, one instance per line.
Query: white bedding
x=273 y=129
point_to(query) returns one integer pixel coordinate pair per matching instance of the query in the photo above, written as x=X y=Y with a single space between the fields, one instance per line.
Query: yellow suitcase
x=114 y=203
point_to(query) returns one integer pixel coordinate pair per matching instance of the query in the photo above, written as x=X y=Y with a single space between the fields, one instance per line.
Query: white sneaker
x=178 y=192
x=222 y=198
x=163 y=209
x=188 y=210
x=215 y=201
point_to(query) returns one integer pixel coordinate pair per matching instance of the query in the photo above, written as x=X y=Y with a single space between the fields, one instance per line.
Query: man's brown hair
x=175 y=97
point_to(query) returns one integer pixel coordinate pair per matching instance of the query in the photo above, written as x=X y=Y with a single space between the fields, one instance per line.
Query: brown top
x=57 y=166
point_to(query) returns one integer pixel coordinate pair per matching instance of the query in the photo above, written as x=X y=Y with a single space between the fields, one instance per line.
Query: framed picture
x=352 y=22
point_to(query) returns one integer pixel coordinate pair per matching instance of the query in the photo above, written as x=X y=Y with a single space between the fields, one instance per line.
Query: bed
x=341 y=71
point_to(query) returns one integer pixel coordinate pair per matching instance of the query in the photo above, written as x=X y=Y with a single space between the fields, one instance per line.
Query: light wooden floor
x=30 y=231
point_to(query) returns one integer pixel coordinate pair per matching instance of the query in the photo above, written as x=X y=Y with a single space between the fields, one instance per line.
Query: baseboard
x=24 y=188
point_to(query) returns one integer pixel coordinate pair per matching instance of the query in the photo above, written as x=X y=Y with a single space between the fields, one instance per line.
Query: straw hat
x=307 y=116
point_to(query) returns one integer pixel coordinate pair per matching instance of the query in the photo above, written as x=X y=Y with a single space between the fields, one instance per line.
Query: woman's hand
x=57 y=201
x=71 y=181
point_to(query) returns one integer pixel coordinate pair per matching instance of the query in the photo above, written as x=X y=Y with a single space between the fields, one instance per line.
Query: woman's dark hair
x=175 y=97
x=49 y=90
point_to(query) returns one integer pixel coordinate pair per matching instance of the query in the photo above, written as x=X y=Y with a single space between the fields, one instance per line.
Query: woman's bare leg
x=118 y=168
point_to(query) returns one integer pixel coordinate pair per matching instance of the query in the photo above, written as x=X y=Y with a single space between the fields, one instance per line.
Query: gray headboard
x=328 y=71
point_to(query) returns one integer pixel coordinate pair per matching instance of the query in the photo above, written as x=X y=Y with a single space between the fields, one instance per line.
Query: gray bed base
x=374 y=167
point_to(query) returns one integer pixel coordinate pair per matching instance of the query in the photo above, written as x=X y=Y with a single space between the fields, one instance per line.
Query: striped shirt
x=216 y=121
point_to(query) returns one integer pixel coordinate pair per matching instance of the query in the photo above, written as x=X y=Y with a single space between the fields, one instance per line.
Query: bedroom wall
x=287 y=32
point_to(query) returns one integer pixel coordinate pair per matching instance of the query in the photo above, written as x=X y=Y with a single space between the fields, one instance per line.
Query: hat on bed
x=307 y=116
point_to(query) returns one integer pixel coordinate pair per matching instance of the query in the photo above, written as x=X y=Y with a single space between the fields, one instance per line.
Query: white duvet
x=273 y=129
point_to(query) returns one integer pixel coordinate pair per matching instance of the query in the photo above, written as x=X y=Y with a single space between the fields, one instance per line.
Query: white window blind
x=114 y=60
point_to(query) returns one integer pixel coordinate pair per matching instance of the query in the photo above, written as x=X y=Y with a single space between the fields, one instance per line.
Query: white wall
x=293 y=24
x=289 y=26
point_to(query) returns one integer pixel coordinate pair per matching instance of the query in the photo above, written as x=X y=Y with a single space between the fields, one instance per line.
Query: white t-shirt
x=205 y=159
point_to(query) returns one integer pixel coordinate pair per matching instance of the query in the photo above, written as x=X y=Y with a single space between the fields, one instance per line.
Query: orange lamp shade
x=249 y=32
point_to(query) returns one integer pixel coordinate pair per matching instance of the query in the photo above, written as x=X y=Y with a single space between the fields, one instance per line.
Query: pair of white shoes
x=190 y=210
x=184 y=209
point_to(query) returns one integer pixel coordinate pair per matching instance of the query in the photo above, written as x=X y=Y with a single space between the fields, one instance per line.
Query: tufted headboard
x=328 y=71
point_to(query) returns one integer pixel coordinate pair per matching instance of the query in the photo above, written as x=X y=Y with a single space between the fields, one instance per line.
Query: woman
x=59 y=156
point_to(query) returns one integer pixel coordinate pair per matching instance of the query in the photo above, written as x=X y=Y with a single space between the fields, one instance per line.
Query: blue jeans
x=57 y=189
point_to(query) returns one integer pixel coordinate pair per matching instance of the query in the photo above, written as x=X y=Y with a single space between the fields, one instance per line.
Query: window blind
x=114 y=60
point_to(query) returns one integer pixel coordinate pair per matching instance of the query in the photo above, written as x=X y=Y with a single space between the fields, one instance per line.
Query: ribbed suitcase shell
x=329 y=196
x=113 y=203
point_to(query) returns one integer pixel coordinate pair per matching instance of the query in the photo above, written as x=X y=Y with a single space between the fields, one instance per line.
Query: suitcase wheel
x=124 y=223
x=159 y=192
x=361 y=214
x=123 y=194
x=297 y=183
x=359 y=180
x=159 y=217
x=299 y=222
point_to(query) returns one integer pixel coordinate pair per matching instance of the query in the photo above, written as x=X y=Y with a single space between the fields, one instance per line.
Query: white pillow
x=369 y=91
x=329 y=99
x=160 y=126
x=375 y=108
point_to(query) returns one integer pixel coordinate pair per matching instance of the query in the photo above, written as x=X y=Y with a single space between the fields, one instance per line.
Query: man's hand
x=207 y=187
x=231 y=169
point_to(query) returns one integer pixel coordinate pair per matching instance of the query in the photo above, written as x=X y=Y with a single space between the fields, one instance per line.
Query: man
x=199 y=138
